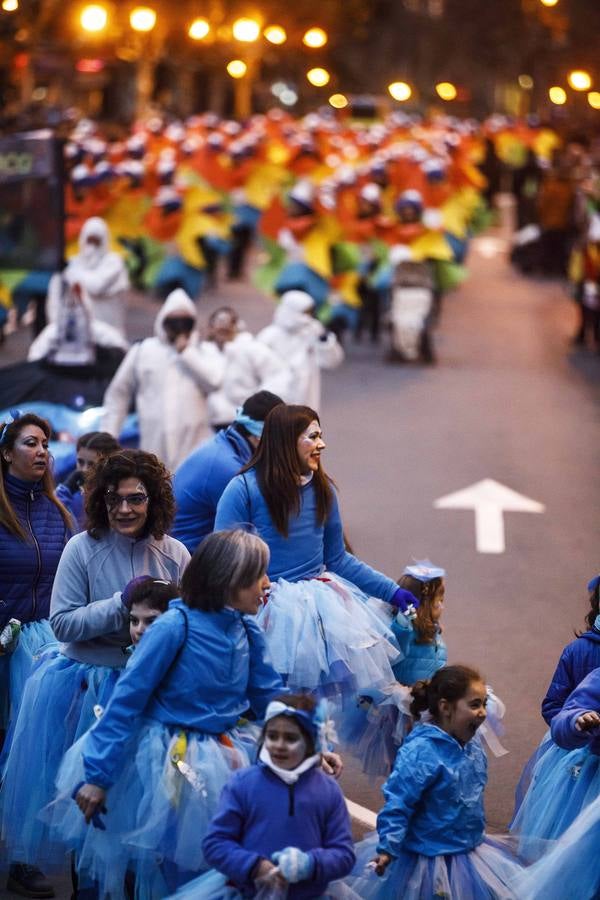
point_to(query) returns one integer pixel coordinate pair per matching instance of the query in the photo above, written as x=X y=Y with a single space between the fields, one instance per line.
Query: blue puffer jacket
x=420 y=660
x=585 y=698
x=27 y=568
x=576 y=661
x=434 y=796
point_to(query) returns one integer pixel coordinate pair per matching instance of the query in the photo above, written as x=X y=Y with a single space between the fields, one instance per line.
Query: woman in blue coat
x=154 y=764
x=430 y=837
x=321 y=632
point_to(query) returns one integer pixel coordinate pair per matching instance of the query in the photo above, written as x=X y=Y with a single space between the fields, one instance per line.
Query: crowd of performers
x=335 y=206
x=170 y=709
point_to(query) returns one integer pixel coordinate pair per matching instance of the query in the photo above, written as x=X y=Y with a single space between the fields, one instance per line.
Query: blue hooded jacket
x=193 y=670
x=201 y=479
x=576 y=661
x=258 y=814
x=420 y=660
x=27 y=568
x=585 y=698
x=434 y=796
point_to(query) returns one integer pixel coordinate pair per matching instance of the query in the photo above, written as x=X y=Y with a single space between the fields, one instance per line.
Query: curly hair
x=111 y=470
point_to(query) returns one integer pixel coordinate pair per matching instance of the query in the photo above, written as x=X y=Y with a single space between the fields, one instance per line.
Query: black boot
x=28 y=881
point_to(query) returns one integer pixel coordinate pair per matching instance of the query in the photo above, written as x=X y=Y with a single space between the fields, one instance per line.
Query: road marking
x=362 y=814
x=490 y=500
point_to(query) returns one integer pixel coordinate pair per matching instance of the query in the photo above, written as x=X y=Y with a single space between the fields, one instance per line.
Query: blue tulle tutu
x=374 y=727
x=563 y=784
x=57 y=706
x=158 y=810
x=485 y=873
x=213 y=886
x=322 y=635
x=571 y=869
x=15 y=668
x=527 y=773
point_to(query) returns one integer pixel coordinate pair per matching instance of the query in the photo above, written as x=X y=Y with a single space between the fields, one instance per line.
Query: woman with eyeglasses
x=130 y=507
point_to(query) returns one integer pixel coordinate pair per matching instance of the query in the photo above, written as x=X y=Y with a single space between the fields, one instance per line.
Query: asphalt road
x=509 y=400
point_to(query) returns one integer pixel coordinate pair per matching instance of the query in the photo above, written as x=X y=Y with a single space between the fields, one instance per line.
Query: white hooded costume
x=304 y=345
x=101 y=274
x=250 y=366
x=169 y=388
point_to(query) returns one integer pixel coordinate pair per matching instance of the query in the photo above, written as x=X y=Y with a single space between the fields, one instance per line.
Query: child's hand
x=90 y=800
x=332 y=764
x=587 y=721
x=380 y=863
x=266 y=871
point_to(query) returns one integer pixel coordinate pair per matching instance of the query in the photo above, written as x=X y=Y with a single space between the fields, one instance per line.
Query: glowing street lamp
x=446 y=90
x=549 y=2
x=315 y=38
x=93 y=18
x=525 y=82
x=199 y=29
x=400 y=91
x=10 y=5
x=275 y=34
x=557 y=95
x=142 y=18
x=318 y=77
x=237 y=68
x=579 y=80
x=338 y=101
x=593 y=98
x=246 y=30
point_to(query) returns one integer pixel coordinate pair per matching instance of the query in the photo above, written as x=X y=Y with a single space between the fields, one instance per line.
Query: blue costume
x=165 y=746
x=432 y=824
x=419 y=660
x=27 y=569
x=90 y=620
x=319 y=628
x=73 y=502
x=201 y=479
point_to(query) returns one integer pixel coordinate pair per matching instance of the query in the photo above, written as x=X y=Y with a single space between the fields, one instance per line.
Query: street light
x=338 y=101
x=246 y=30
x=10 y=5
x=93 y=18
x=237 y=68
x=549 y=2
x=579 y=80
x=557 y=95
x=318 y=77
x=593 y=98
x=525 y=82
x=446 y=90
x=199 y=29
x=400 y=90
x=142 y=18
x=275 y=34
x=315 y=38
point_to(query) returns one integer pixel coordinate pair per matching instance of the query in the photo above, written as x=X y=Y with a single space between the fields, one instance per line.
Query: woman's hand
x=587 y=721
x=90 y=799
x=332 y=764
x=380 y=863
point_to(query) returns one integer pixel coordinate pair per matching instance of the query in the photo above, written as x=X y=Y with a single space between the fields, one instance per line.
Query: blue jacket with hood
x=576 y=661
x=27 y=568
x=201 y=479
x=585 y=698
x=434 y=796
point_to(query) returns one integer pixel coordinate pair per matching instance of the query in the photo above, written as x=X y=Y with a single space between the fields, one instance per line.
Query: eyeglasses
x=114 y=500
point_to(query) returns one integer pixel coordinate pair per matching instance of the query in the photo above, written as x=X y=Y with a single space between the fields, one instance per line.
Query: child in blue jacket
x=282 y=824
x=430 y=837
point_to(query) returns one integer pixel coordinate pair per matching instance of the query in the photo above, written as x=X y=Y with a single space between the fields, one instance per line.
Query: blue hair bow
x=15 y=415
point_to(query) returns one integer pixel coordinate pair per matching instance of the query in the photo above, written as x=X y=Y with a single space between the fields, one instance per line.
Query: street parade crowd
x=189 y=647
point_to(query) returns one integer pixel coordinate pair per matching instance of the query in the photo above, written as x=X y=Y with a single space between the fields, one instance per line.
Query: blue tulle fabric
x=563 y=784
x=157 y=812
x=484 y=873
x=323 y=635
x=571 y=868
x=15 y=668
x=57 y=706
x=374 y=727
x=213 y=886
x=527 y=773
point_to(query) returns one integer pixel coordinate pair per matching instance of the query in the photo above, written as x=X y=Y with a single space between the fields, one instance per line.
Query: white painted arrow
x=490 y=500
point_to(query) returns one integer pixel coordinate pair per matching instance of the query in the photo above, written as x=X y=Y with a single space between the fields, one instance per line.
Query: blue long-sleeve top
x=585 y=698
x=434 y=796
x=310 y=548
x=194 y=670
x=419 y=660
x=576 y=661
x=201 y=479
x=258 y=814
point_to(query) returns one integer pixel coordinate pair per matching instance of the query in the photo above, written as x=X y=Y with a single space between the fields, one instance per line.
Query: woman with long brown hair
x=321 y=632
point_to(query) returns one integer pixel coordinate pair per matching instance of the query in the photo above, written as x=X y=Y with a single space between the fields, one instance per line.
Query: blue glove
x=402 y=600
x=294 y=864
x=127 y=593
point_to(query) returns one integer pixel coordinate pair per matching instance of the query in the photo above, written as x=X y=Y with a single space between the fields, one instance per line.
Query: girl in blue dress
x=430 y=837
x=321 y=632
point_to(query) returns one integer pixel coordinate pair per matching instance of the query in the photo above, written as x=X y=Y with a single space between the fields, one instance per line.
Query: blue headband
x=593 y=584
x=252 y=425
x=317 y=723
x=15 y=415
x=424 y=570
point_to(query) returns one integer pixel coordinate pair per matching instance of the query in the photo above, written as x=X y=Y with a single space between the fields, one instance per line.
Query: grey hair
x=222 y=564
